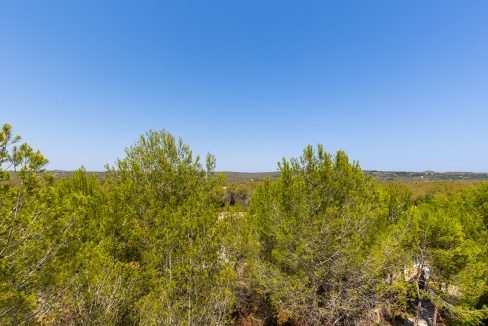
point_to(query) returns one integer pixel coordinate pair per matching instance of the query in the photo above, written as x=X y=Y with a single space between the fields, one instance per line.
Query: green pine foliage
x=324 y=235
x=160 y=240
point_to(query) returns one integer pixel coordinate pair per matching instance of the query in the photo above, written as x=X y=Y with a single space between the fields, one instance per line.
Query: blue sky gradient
x=398 y=85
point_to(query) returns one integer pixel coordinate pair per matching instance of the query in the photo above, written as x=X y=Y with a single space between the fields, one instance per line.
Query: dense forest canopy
x=156 y=242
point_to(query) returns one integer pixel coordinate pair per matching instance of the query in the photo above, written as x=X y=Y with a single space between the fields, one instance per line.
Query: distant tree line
x=156 y=242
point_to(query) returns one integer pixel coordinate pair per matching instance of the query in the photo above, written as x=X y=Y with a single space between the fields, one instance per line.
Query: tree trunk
x=434 y=319
x=419 y=311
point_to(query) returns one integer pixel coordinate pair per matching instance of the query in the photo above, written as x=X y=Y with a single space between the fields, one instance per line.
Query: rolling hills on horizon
x=247 y=177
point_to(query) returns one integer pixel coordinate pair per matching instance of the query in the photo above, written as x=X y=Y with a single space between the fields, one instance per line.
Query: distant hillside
x=250 y=177
x=428 y=175
x=246 y=177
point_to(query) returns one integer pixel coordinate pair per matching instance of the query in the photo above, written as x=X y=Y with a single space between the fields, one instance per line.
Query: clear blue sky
x=398 y=85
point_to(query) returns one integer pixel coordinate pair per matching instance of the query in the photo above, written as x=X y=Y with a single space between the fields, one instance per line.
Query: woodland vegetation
x=156 y=242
